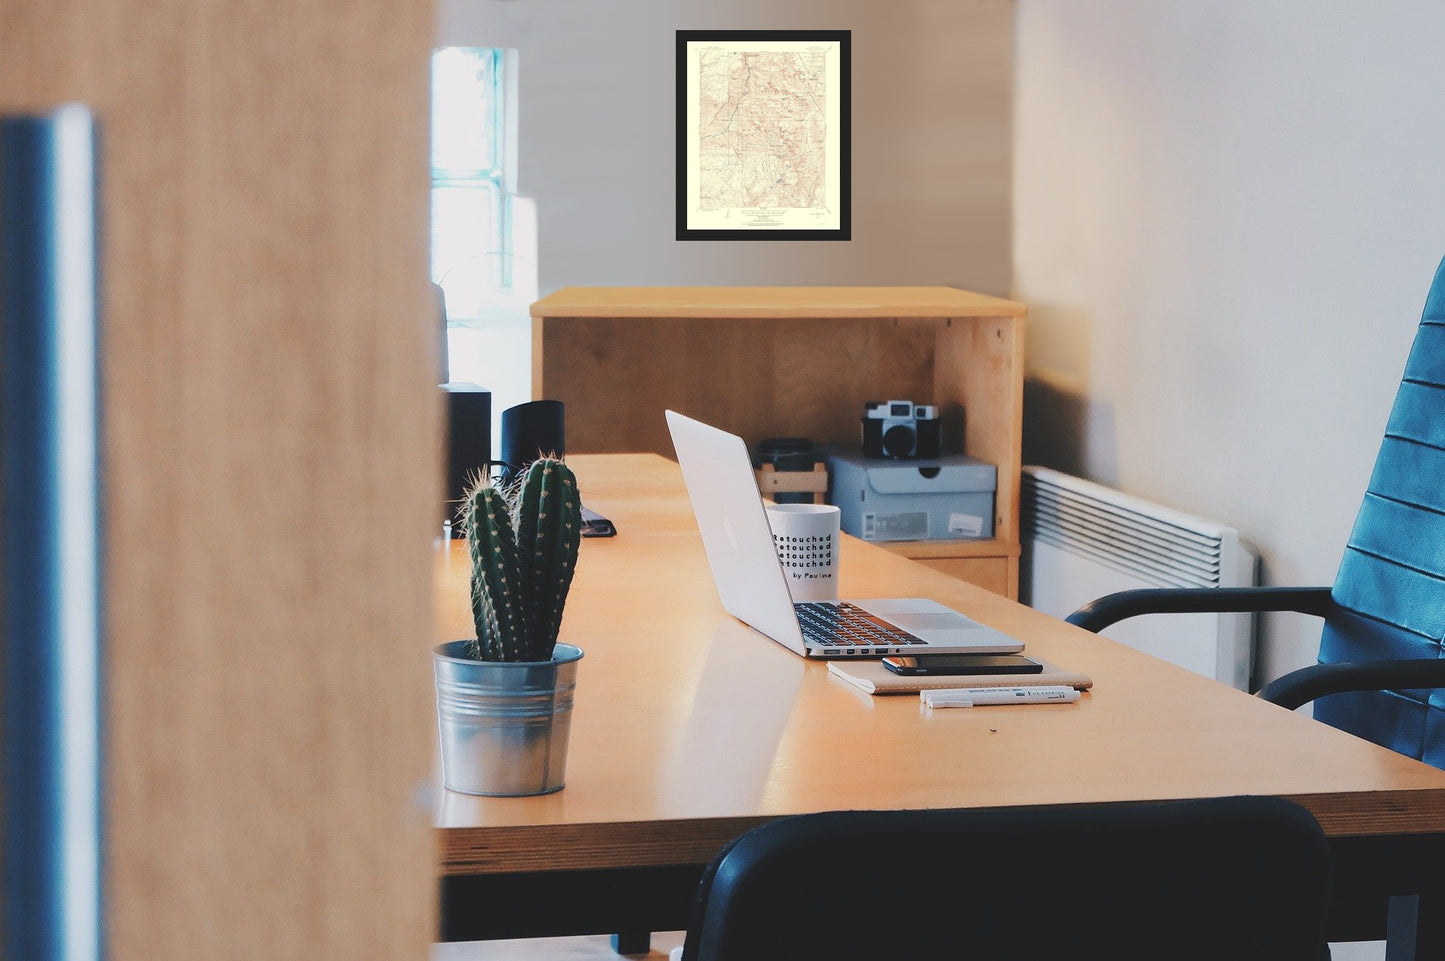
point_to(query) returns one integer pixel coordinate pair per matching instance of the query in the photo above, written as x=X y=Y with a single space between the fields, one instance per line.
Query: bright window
x=483 y=234
x=469 y=208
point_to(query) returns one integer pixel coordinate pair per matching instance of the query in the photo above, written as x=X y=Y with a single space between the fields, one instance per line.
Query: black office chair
x=1381 y=651
x=1238 y=878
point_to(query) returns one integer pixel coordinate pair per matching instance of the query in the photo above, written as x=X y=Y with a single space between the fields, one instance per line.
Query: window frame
x=493 y=176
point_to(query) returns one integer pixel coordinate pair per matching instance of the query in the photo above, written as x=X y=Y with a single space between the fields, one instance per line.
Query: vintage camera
x=901 y=429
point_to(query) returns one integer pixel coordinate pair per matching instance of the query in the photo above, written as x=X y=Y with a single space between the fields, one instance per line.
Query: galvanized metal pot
x=504 y=726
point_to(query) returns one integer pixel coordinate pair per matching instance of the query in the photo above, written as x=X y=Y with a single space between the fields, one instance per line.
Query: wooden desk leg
x=1416 y=928
x=632 y=942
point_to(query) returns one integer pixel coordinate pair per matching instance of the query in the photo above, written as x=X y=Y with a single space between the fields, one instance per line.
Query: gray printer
x=944 y=498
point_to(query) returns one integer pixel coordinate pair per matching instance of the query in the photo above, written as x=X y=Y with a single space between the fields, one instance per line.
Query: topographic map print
x=762 y=136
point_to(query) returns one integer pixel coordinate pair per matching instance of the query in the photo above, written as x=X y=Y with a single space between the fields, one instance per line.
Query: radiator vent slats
x=1081 y=541
x=1161 y=547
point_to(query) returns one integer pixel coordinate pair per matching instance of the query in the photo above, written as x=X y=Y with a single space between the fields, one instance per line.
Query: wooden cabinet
x=800 y=361
x=978 y=562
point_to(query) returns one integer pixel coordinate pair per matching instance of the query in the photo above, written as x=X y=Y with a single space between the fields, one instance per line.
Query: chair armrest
x=1304 y=685
x=1099 y=614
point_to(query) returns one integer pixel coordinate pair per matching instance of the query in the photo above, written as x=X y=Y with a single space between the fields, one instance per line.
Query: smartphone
x=595 y=525
x=913 y=666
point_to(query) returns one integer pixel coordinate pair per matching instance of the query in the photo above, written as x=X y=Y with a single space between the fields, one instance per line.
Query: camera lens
x=899 y=440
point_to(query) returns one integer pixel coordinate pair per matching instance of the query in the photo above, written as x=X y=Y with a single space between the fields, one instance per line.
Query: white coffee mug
x=806 y=537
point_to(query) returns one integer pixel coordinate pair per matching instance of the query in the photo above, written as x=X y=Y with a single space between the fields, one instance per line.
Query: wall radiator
x=1082 y=541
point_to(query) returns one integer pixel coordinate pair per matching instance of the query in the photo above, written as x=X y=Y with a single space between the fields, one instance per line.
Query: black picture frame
x=709 y=55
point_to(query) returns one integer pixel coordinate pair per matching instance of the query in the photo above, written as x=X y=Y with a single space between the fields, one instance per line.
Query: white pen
x=982 y=696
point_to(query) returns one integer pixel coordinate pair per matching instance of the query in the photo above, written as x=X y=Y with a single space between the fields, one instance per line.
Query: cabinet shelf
x=794 y=361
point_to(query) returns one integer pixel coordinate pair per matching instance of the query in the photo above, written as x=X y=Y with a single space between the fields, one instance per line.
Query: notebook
x=873 y=677
x=753 y=587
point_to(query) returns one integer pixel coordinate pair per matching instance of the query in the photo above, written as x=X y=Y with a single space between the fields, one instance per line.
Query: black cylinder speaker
x=530 y=431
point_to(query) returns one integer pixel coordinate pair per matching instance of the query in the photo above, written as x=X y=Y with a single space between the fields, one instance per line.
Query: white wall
x=1227 y=216
x=931 y=139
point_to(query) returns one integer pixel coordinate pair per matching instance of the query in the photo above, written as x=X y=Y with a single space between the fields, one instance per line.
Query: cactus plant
x=523 y=544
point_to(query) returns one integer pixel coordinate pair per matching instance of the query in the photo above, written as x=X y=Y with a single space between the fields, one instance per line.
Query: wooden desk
x=690 y=728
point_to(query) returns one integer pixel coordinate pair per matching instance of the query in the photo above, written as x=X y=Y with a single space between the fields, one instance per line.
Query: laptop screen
x=734 y=528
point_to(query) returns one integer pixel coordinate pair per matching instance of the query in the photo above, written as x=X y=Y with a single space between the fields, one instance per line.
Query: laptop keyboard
x=850 y=629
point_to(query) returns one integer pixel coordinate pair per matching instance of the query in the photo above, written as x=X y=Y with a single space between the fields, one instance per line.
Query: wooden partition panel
x=271 y=446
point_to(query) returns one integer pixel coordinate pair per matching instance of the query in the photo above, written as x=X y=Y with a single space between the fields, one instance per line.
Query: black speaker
x=530 y=431
x=469 y=442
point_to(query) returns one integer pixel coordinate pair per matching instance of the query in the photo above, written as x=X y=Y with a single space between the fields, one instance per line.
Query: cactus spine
x=523 y=547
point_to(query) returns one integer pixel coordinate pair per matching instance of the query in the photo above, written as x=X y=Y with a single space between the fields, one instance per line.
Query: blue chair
x=1241 y=878
x=1381 y=665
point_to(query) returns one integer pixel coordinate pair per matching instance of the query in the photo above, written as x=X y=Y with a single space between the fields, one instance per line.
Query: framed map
x=763 y=136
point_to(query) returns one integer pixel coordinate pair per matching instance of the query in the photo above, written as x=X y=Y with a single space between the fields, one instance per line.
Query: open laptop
x=754 y=589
